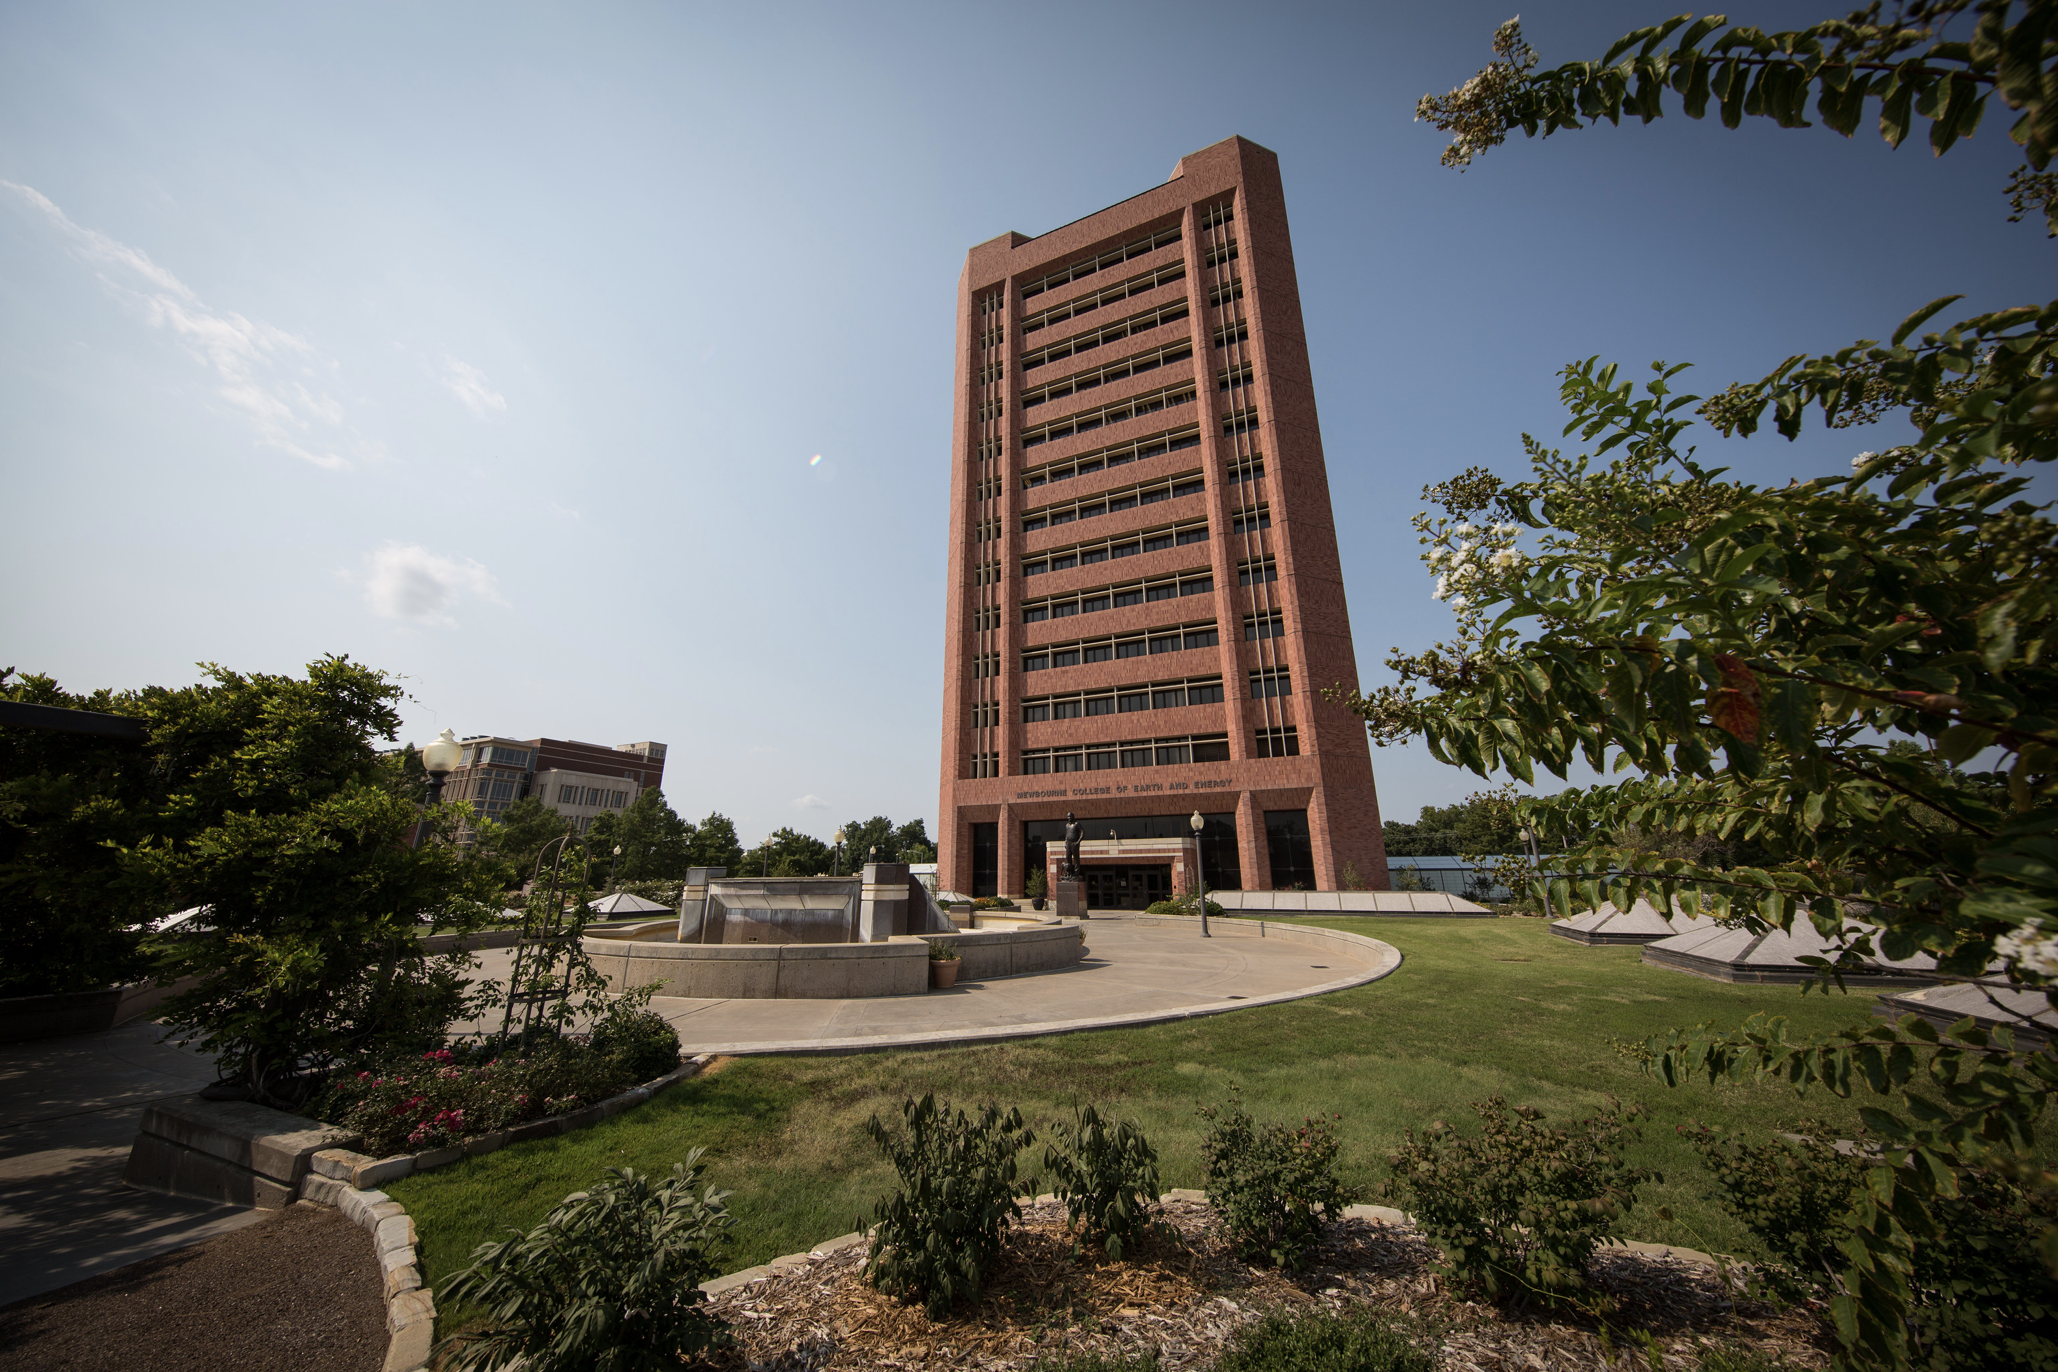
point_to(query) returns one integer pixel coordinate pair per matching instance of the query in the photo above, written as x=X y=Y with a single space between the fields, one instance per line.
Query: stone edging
x=345 y=1181
x=410 y=1306
x=361 y=1173
x=1380 y=1213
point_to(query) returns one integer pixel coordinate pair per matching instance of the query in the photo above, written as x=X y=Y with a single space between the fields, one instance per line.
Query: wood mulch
x=1185 y=1294
x=299 y=1291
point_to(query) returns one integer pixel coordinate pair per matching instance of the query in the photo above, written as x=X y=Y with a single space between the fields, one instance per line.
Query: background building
x=579 y=780
x=1145 y=599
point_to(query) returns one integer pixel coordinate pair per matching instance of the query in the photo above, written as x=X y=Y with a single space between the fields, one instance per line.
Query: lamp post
x=439 y=760
x=836 y=857
x=612 y=864
x=1196 y=823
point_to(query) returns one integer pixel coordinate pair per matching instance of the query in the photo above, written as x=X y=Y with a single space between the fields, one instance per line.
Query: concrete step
x=231 y=1152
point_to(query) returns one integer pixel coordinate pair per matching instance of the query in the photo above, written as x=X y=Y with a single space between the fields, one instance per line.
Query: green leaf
x=1921 y=317
x=1962 y=741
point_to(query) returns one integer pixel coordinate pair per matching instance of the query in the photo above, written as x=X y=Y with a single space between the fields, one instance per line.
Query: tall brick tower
x=1145 y=598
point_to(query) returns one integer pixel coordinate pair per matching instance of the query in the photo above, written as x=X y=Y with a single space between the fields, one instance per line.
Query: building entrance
x=1127 y=888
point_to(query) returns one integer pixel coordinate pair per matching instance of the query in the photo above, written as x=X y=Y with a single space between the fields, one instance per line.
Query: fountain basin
x=896 y=966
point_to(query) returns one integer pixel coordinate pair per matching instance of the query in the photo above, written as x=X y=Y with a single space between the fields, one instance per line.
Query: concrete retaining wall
x=231 y=1152
x=827 y=971
x=23 y=1018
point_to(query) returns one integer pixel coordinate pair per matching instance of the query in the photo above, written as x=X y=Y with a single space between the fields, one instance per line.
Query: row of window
x=1218 y=255
x=1257 y=571
x=1050 y=656
x=1174 y=270
x=1115 y=455
x=1112 y=258
x=1114 y=502
x=1121 y=369
x=1271 y=681
x=1180 y=393
x=1250 y=521
x=1169 y=313
x=1241 y=422
x=592 y=795
x=1271 y=624
x=1230 y=377
x=493 y=788
x=1125 y=700
x=1085 y=555
x=1117 y=597
x=1152 y=752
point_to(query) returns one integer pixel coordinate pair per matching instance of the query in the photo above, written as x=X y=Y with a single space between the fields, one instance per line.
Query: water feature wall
x=882 y=903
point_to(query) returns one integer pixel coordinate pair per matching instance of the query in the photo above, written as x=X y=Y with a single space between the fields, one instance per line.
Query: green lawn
x=1478 y=1007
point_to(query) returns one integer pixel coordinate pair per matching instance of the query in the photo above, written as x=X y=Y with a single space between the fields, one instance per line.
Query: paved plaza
x=69 y=1108
x=1136 y=971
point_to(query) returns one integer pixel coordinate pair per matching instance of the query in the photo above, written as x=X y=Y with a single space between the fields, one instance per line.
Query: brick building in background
x=579 y=780
x=1145 y=599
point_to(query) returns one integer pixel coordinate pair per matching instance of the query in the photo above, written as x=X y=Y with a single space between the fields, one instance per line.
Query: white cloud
x=810 y=802
x=471 y=387
x=271 y=377
x=407 y=582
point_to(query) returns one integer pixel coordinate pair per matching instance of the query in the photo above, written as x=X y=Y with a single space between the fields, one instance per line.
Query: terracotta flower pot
x=943 y=975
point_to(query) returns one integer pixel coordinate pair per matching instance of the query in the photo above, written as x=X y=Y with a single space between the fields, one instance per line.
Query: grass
x=1478 y=1007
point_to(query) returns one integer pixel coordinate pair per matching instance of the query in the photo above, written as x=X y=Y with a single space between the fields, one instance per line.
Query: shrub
x=610 y=1279
x=1035 y=888
x=1272 y=1186
x=994 y=903
x=1981 y=1295
x=1519 y=1208
x=1357 y=1342
x=1183 y=905
x=630 y=1032
x=941 y=1229
x=1107 y=1176
x=943 y=952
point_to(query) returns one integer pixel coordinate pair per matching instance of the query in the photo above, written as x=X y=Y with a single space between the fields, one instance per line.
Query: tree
x=262 y=799
x=713 y=843
x=786 y=853
x=1749 y=654
x=518 y=837
x=911 y=842
x=656 y=844
x=1481 y=825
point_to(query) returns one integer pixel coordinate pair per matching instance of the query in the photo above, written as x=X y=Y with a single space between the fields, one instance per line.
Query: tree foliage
x=1901 y=60
x=1848 y=676
x=656 y=844
x=1481 y=824
x=264 y=800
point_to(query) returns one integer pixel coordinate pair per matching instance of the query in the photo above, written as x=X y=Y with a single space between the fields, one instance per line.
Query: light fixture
x=1196 y=823
x=439 y=759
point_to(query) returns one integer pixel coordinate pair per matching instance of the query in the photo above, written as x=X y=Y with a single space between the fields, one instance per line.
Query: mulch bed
x=299 y=1291
x=1184 y=1295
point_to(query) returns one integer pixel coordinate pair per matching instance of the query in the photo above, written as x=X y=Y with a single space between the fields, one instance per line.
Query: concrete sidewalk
x=1137 y=970
x=69 y=1108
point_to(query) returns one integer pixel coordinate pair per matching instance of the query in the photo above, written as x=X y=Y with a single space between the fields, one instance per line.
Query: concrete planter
x=943 y=975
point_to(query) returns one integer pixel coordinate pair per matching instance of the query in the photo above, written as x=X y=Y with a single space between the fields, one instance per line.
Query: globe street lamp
x=1196 y=823
x=836 y=858
x=439 y=760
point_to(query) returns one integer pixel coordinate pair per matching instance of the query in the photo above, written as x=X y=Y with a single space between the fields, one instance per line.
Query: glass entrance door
x=1127 y=888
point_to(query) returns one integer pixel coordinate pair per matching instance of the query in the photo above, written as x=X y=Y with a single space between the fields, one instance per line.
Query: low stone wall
x=827 y=971
x=226 y=1151
x=23 y=1018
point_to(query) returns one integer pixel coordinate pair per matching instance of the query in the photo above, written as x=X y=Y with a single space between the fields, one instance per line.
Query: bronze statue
x=1072 y=833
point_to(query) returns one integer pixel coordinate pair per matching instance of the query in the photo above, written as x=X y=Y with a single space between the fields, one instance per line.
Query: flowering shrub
x=407 y=1104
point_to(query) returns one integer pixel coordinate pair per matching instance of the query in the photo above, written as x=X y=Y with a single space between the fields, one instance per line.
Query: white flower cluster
x=1459 y=566
x=2030 y=950
x=1858 y=462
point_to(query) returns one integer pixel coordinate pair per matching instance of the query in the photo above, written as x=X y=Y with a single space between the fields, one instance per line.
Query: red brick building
x=1145 y=598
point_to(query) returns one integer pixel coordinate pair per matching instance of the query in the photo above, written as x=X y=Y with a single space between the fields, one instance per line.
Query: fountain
x=815 y=938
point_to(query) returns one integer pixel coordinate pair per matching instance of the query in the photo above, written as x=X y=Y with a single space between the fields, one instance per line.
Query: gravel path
x=298 y=1291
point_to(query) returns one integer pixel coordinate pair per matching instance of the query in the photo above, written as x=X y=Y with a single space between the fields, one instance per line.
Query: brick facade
x=1168 y=351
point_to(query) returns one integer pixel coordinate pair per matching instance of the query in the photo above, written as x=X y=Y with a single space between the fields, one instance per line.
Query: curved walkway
x=1137 y=970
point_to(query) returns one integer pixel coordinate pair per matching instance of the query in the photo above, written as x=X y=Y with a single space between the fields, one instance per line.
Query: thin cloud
x=471 y=387
x=407 y=582
x=263 y=373
x=810 y=802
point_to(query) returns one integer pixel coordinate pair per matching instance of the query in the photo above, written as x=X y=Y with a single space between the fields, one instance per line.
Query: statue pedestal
x=1071 y=900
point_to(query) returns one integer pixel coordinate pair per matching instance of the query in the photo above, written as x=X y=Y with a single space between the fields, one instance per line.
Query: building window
x=1291 y=850
x=1113 y=257
x=1068 y=762
x=1113 y=502
x=985 y=765
x=1187 y=536
x=1242 y=422
x=1272 y=625
x=1134 y=365
x=1136 y=757
x=1253 y=573
x=1065 y=709
x=1035 y=714
x=1168 y=644
x=1204 y=695
x=1133 y=648
x=568 y=795
x=1271 y=681
x=1168 y=590
x=1168 y=699
x=1116 y=455
x=1102 y=761
x=1279 y=742
x=1249 y=521
x=1170 y=313
x=1160 y=543
x=1201 y=638
x=1174 y=754
x=1201 y=586
x=1217 y=751
x=1101 y=705
x=1100 y=652
x=1039 y=662
x=1035 y=764
x=1150 y=402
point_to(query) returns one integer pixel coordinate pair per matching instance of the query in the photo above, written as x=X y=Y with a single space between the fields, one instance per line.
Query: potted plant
x=1034 y=890
x=943 y=966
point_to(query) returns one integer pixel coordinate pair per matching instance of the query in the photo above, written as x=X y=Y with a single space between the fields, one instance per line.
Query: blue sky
x=490 y=345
